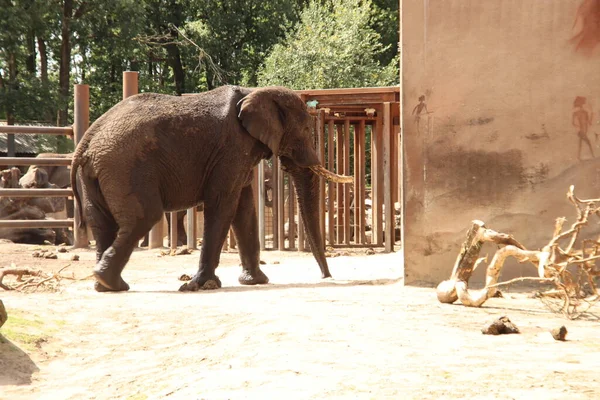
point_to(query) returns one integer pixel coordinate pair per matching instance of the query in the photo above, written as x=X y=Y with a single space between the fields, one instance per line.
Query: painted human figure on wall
x=419 y=109
x=587 y=21
x=582 y=120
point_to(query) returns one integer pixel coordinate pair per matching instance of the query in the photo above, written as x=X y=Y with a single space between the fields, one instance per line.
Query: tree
x=238 y=34
x=333 y=45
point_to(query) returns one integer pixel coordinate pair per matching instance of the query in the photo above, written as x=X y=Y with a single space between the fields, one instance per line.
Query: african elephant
x=153 y=153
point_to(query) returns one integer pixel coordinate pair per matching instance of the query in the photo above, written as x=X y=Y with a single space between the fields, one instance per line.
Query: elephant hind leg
x=131 y=229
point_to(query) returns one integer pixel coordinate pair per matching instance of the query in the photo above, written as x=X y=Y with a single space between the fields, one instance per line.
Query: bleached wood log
x=457 y=286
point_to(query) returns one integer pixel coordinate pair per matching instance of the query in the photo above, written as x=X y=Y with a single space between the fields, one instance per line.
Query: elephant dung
x=559 y=333
x=501 y=326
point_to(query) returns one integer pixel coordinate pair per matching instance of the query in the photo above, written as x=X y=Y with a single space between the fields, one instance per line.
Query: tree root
x=571 y=271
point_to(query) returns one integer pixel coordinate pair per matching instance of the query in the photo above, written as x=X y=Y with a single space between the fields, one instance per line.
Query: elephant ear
x=263 y=118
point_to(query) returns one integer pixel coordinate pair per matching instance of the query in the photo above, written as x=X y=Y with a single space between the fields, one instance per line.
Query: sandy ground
x=362 y=336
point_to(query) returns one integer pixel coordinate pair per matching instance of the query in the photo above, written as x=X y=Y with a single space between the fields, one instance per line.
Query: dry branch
x=554 y=263
x=37 y=278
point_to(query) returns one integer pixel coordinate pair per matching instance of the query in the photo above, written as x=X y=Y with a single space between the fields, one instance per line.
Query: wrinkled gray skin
x=153 y=153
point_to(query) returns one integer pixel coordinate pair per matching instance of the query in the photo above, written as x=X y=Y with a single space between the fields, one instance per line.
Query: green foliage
x=333 y=46
x=181 y=46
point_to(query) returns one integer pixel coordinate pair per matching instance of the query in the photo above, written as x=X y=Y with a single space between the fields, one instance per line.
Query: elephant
x=30 y=208
x=153 y=153
x=57 y=175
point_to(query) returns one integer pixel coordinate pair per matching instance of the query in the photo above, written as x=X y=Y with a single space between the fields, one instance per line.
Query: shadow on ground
x=281 y=286
x=16 y=367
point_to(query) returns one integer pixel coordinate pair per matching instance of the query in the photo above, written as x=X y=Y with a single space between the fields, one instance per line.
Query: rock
x=501 y=326
x=50 y=256
x=275 y=262
x=75 y=257
x=261 y=262
x=370 y=252
x=559 y=333
x=62 y=250
x=185 y=278
x=3 y=314
x=498 y=294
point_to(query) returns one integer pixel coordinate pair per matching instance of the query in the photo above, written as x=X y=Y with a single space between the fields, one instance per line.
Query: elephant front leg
x=245 y=227
x=218 y=216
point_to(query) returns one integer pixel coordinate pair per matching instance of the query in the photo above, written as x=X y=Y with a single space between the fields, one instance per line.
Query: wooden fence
x=75 y=132
x=358 y=215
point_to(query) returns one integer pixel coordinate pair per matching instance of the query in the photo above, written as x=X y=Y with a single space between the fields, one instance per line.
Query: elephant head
x=278 y=118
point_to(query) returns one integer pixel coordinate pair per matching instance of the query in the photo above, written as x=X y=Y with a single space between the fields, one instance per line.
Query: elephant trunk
x=307 y=190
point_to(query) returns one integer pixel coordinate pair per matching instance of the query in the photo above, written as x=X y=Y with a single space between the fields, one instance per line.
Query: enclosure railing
x=75 y=132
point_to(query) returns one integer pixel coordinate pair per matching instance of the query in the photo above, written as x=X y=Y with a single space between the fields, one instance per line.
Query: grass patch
x=28 y=330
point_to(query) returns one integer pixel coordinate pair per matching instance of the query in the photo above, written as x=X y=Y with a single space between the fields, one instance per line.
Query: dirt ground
x=361 y=336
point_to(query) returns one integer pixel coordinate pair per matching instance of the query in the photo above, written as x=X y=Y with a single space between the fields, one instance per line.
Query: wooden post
x=339 y=144
x=81 y=119
x=130 y=83
x=10 y=144
x=377 y=179
x=330 y=186
x=191 y=228
x=347 y=202
x=359 y=182
x=320 y=133
x=173 y=230
x=232 y=241
x=387 y=178
x=362 y=181
x=261 y=204
x=275 y=208
x=281 y=207
x=291 y=215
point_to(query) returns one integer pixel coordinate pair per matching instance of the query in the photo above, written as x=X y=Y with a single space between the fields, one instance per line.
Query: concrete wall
x=496 y=141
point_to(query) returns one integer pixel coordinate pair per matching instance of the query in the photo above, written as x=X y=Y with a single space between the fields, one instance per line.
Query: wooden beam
x=81 y=122
x=275 y=208
x=320 y=130
x=330 y=185
x=388 y=133
x=347 y=202
x=42 y=162
x=291 y=214
x=339 y=164
x=46 y=130
x=281 y=207
x=36 y=192
x=192 y=231
x=377 y=181
x=36 y=223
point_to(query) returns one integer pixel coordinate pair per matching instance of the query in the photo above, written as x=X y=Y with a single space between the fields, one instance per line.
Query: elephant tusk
x=330 y=176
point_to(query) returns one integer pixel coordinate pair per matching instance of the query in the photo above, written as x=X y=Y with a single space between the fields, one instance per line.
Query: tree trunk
x=31 y=55
x=65 y=62
x=10 y=89
x=43 y=60
x=177 y=67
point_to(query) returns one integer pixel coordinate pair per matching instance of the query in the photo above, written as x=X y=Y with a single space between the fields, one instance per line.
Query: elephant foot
x=258 y=278
x=98 y=287
x=201 y=283
x=107 y=282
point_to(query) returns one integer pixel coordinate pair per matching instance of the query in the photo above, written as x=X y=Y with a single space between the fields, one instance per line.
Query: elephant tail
x=76 y=163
